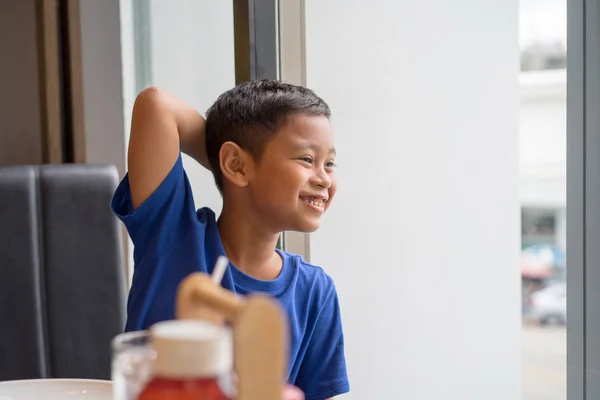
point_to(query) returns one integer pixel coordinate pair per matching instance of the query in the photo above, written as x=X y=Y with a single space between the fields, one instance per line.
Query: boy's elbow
x=151 y=118
x=148 y=96
x=150 y=108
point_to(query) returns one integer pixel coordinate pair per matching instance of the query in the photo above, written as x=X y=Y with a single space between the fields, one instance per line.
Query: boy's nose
x=321 y=178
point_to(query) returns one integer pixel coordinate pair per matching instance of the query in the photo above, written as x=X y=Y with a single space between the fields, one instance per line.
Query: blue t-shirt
x=172 y=239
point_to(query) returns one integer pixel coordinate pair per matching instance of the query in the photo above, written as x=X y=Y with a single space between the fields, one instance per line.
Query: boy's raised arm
x=162 y=125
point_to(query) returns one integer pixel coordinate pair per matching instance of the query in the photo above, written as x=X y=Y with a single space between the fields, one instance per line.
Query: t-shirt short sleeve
x=323 y=371
x=155 y=226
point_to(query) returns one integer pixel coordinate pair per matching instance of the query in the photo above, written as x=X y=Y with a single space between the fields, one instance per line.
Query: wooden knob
x=198 y=297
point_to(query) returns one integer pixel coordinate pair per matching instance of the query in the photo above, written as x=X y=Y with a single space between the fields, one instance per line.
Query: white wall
x=101 y=73
x=127 y=63
x=423 y=240
x=128 y=76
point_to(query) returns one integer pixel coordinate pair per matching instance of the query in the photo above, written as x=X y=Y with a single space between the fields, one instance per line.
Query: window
x=543 y=198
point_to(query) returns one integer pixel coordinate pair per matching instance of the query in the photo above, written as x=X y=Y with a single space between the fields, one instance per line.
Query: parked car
x=549 y=305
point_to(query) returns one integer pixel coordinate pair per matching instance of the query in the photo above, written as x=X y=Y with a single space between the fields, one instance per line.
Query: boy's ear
x=235 y=163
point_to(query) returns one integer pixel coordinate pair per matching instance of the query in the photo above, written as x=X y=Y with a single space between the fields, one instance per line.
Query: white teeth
x=318 y=203
x=315 y=201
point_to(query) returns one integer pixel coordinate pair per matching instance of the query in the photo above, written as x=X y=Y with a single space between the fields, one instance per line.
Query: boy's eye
x=306 y=160
x=330 y=164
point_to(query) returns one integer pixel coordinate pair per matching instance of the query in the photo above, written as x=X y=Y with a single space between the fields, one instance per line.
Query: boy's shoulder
x=307 y=269
x=311 y=279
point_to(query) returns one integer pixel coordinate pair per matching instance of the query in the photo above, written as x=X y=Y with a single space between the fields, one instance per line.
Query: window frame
x=583 y=196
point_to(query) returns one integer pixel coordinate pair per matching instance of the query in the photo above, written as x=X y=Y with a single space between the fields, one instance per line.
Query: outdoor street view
x=542 y=140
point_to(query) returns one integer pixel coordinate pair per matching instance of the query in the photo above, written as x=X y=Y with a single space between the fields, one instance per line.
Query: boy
x=270 y=148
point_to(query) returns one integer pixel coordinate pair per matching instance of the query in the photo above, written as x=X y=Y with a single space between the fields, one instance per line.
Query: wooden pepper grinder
x=259 y=333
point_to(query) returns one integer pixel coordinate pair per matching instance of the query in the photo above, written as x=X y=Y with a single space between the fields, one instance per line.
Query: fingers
x=292 y=393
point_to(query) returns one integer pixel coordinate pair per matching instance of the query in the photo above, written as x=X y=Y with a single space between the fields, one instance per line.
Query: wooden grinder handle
x=199 y=298
x=259 y=333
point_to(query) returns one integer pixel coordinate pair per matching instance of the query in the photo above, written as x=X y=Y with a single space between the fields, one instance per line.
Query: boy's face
x=294 y=182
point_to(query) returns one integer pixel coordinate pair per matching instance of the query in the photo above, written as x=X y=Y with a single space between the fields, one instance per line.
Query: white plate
x=56 y=389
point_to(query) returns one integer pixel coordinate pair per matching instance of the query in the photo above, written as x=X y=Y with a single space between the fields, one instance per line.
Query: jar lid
x=191 y=349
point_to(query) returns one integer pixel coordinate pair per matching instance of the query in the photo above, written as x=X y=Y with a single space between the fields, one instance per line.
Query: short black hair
x=250 y=114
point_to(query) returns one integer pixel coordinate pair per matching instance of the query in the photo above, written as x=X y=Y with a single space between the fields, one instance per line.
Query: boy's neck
x=250 y=248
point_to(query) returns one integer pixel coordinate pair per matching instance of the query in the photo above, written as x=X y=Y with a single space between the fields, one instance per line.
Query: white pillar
x=423 y=237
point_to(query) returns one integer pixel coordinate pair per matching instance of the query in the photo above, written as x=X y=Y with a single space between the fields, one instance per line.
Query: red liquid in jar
x=191 y=356
x=192 y=389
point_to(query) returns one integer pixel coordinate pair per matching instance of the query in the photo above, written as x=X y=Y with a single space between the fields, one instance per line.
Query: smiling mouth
x=315 y=202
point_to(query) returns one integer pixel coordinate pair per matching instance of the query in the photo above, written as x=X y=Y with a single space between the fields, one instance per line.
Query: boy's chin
x=307 y=226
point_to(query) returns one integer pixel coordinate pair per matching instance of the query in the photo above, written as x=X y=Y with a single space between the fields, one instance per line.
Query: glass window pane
x=543 y=197
x=186 y=47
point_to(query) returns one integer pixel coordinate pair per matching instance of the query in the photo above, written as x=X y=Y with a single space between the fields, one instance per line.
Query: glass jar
x=193 y=360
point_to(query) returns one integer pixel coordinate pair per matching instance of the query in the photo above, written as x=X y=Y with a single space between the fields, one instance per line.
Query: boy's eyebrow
x=312 y=146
